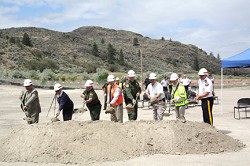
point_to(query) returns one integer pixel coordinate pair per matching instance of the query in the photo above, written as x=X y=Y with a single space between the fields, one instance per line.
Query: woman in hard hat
x=65 y=103
x=92 y=101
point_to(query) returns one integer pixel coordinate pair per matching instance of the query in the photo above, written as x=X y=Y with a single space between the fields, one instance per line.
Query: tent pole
x=221 y=91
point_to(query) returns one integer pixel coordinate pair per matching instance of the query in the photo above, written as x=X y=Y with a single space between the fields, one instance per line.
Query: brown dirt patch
x=86 y=142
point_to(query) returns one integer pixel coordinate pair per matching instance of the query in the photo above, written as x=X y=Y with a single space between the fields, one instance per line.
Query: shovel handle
x=22 y=104
x=136 y=101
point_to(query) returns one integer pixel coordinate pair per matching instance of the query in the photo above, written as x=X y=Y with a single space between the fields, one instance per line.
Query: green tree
x=218 y=57
x=121 y=58
x=162 y=38
x=26 y=40
x=211 y=54
x=95 y=51
x=103 y=41
x=12 y=40
x=111 y=53
x=136 y=42
x=196 y=63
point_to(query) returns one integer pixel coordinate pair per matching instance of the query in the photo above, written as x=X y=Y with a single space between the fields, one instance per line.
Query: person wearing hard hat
x=92 y=101
x=186 y=82
x=117 y=81
x=179 y=98
x=104 y=89
x=132 y=92
x=115 y=99
x=156 y=95
x=205 y=94
x=65 y=103
x=30 y=102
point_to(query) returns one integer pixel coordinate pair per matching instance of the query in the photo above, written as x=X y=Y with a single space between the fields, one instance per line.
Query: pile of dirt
x=86 y=142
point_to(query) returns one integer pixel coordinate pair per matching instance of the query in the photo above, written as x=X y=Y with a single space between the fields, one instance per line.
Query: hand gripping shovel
x=131 y=108
x=81 y=110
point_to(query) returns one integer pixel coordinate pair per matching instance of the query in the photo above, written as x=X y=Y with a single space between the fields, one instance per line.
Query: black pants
x=165 y=88
x=170 y=88
x=132 y=116
x=207 y=105
x=67 y=115
x=105 y=102
x=95 y=112
x=186 y=87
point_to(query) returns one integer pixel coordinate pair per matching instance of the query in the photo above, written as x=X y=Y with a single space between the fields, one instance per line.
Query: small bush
x=85 y=76
x=47 y=75
x=72 y=77
x=16 y=74
x=32 y=74
x=101 y=75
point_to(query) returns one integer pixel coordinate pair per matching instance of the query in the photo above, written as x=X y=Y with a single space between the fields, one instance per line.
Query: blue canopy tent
x=236 y=61
x=241 y=60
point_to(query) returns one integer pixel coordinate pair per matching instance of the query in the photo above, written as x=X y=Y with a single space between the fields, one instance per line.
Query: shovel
x=81 y=110
x=131 y=108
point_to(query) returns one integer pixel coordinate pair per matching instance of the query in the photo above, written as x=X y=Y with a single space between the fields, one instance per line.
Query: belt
x=163 y=99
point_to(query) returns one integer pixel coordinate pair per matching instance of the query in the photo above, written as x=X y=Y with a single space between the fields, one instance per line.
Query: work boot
x=183 y=120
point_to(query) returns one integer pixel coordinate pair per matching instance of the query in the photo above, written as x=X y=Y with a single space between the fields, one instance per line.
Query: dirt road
x=11 y=117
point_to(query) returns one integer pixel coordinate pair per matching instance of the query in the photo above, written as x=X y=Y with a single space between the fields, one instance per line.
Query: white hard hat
x=89 y=83
x=111 y=78
x=57 y=87
x=202 y=72
x=131 y=73
x=27 y=82
x=173 y=77
x=117 y=79
x=152 y=76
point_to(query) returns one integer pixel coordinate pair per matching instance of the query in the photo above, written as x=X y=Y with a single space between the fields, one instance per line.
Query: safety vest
x=120 y=98
x=180 y=91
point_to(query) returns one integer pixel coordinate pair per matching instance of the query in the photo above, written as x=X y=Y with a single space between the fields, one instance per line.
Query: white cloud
x=218 y=26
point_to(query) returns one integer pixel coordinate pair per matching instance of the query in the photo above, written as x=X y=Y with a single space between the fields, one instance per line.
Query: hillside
x=73 y=51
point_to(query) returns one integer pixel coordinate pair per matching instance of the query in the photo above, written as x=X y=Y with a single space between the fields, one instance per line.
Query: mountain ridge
x=72 y=51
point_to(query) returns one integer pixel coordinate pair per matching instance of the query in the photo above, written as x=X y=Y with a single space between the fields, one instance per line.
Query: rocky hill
x=74 y=51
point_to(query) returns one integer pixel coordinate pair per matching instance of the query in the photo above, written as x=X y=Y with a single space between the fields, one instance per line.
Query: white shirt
x=185 y=81
x=205 y=86
x=164 y=83
x=117 y=93
x=155 y=90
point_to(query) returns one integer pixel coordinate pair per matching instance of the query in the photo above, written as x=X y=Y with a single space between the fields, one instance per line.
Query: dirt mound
x=99 y=141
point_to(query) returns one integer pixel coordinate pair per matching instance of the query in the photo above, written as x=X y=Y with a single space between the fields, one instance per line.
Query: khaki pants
x=158 y=110
x=180 y=112
x=34 y=118
x=118 y=115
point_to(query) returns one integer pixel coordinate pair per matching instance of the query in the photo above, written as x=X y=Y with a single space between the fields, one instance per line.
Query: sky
x=218 y=26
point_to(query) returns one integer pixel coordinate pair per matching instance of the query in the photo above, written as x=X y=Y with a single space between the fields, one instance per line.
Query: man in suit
x=65 y=104
x=30 y=102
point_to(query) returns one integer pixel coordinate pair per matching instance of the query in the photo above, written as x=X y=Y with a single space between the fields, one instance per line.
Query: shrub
x=1 y=73
x=47 y=75
x=16 y=74
x=101 y=75
x=85 y=76
x=72 y=77
x=32 y=74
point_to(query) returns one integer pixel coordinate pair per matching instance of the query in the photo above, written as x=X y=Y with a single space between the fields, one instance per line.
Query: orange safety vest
x=120 y=98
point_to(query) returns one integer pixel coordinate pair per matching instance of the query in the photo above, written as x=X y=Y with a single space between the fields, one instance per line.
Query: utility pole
x=141 y=69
